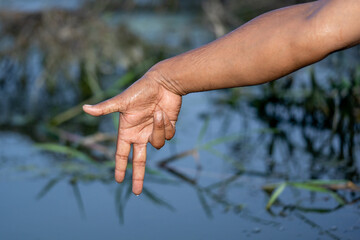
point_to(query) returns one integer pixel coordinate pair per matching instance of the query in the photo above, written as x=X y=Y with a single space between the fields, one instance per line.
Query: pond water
x=208 y=182
x=36 y=5
x=183 y=201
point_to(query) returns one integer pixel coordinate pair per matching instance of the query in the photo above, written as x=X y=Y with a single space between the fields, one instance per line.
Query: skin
x=264 y=49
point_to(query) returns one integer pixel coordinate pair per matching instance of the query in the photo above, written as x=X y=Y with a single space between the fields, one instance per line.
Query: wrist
x=163 y=75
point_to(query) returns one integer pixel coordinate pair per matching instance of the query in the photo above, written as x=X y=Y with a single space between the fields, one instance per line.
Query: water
x=172 y=30
x=209 y=194
x=37 y=5
x=58 y=215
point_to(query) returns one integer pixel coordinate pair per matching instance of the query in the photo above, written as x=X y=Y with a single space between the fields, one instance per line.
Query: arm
x=266 y=48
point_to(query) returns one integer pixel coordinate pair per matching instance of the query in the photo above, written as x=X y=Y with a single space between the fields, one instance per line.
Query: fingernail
x=87 y=105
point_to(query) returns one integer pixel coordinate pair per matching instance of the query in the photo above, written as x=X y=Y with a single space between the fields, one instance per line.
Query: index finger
x=121 y=159
x=139 y=162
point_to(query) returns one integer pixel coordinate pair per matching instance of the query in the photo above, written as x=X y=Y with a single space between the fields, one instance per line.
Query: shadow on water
x=289 y=148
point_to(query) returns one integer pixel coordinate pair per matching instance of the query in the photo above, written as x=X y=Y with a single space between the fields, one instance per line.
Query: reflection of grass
x=69 y=151
x=316 y=226
x=122 y=196
x=319 y=186
x=331 y=187
x=210 y=192
x=78 y=168
x=316 y=121
x=208 y=146
x=51 y=183
x=79 y=171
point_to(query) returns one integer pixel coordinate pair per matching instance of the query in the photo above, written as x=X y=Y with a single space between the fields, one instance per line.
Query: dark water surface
x=206 y=183
x=234 y=210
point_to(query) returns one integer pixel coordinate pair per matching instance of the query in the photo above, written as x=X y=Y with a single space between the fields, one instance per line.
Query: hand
x=148 y=113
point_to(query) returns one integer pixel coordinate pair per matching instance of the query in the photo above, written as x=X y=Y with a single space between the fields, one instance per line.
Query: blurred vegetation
x=54 y=60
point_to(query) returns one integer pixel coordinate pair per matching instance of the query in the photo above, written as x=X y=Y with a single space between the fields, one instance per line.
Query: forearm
x=266 y=48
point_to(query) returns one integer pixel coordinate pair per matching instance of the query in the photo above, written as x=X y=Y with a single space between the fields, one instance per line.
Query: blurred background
x=279 y=160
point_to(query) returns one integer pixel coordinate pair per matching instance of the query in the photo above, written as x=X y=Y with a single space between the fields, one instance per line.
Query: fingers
x=139 y=161
x=157 y=138
x=169 y=128
x=121 y=159
x=162 y=129
x=109 y=106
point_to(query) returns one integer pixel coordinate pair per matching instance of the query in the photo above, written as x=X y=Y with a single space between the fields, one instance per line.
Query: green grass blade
x=71 y=152
x=309 y=187
x=315 y=188
x=275 y=195
x=327 y=182
x=337 y=197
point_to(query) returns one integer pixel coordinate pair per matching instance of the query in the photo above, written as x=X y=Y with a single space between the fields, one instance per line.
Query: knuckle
x=141 y=164
x=159 y=124
x=119 y=168
x=138 y=178
x=121 y=157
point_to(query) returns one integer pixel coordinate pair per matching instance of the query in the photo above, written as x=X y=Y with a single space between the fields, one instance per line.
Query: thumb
x=109 y=106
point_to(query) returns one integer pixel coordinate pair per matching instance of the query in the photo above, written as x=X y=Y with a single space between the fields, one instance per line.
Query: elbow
x=323 y=29
x=332 y=25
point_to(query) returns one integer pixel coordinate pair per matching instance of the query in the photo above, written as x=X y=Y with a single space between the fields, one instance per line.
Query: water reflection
x=318 y=118
x=228 y=149
x=326 y=117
